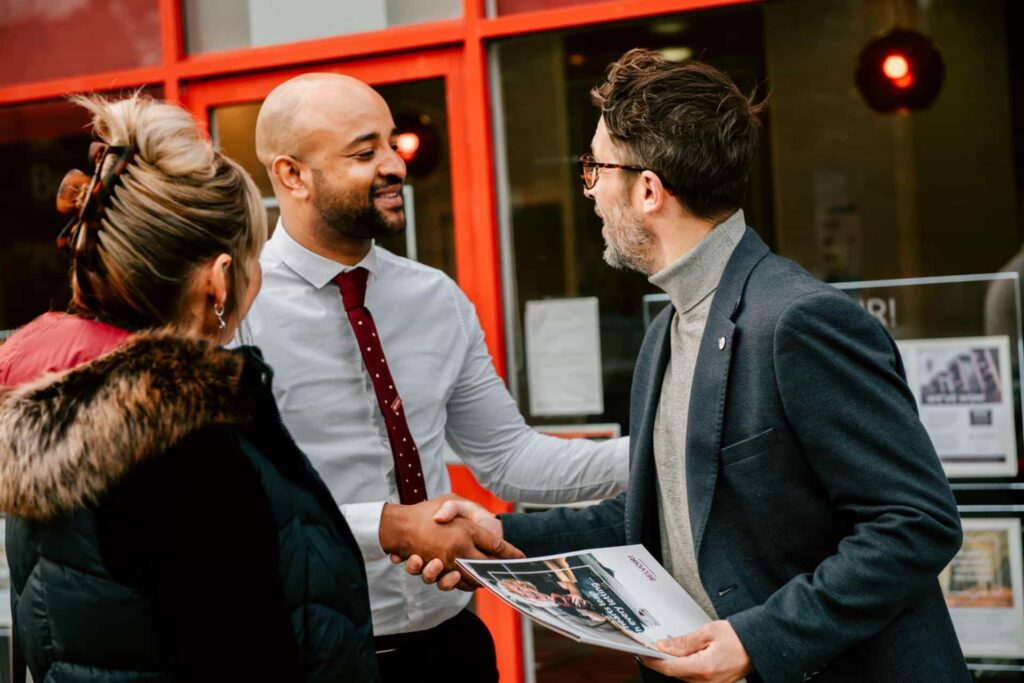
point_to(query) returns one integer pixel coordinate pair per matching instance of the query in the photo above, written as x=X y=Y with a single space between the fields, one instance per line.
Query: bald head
x=303 y=115
x=329 y=145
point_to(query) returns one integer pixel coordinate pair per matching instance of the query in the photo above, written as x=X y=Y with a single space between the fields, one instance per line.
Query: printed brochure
x=619 y=598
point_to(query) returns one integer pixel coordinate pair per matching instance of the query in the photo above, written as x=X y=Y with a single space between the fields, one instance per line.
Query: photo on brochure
x=619 y=598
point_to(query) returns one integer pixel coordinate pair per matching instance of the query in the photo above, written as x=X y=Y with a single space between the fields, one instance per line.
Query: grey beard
x=629 y=244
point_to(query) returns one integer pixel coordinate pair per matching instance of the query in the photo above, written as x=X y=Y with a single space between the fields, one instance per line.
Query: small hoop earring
x=218 y=310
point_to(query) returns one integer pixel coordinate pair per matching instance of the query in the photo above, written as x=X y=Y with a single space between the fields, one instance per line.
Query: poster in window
x=965 y=397
x=982 y=586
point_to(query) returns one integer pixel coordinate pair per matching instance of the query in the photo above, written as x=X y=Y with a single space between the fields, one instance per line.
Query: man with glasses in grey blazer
x=778 y=467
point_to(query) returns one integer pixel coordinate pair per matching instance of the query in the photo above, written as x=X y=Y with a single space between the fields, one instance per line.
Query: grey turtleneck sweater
x=690 y=282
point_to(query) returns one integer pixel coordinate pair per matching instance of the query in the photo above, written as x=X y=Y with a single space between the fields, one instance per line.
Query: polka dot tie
x=408 y=470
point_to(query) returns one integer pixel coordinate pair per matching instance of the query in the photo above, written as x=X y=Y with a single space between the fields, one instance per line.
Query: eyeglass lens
x=588 y=172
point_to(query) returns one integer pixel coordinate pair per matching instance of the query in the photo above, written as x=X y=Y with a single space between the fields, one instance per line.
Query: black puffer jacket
x=164 y=526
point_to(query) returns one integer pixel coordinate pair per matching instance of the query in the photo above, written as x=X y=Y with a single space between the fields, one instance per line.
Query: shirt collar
x=315 y=269
x=694 y=276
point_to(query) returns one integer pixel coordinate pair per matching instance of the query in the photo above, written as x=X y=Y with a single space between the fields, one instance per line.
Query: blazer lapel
x=704 y=425
x=710 y=381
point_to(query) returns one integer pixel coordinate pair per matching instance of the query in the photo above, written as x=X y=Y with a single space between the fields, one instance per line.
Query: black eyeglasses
x=590 y=169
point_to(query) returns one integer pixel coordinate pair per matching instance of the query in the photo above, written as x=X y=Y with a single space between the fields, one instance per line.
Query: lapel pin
x=721 y=343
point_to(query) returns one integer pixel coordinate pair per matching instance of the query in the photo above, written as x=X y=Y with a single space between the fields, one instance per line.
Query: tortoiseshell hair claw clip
x=84 y=197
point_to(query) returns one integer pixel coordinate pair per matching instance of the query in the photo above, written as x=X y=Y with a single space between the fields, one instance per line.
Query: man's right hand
x=412 y=530
x=454 y=509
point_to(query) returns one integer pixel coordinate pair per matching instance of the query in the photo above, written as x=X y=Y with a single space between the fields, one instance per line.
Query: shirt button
x=721 y=343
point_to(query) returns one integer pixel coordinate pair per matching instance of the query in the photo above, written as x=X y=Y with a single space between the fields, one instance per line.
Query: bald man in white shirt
x=373 y=412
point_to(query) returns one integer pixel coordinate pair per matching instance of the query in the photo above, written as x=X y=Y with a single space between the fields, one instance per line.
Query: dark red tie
x=408 y=470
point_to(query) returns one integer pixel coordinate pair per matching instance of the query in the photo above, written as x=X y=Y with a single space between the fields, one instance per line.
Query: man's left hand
x=711 y=654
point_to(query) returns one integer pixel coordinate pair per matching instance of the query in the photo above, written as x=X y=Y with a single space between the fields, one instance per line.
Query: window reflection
x=44 y=40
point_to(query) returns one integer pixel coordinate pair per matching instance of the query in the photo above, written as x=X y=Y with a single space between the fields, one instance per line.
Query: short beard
x=341 y=213
x=628 y=243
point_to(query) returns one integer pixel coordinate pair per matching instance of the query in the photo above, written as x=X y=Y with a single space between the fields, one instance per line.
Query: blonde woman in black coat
x=162 y=524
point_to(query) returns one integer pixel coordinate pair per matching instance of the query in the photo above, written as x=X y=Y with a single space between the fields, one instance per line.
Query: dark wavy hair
x=688 y=123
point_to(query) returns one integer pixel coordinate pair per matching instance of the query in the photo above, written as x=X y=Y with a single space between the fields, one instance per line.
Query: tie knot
x=352 y=284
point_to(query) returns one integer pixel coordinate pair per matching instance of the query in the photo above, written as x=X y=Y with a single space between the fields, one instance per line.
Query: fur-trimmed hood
x=67 y=437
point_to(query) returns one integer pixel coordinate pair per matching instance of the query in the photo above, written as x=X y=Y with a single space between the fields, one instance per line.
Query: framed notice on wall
x=982 y=586
x=964 y=393
x=960 y=340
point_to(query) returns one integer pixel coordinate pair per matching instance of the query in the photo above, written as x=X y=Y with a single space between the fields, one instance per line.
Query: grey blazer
x=820 y=513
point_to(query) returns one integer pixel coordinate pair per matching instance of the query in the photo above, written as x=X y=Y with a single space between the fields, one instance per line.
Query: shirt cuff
x=364 y=521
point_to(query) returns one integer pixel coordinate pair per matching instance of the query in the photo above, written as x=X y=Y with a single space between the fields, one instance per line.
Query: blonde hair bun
x=179 y=203
x=163 y=135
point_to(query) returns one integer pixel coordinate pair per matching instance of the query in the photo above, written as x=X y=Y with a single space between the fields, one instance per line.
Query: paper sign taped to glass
x=619 y=598
x=964 y=393
x=563 y=357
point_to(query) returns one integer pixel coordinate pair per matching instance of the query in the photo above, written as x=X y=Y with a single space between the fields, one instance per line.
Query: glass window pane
x=228 y=24
x=847 y=192
x=862 y=195
x=45 y=40
x=418 y=108
x=41 y=142
x=556 y=237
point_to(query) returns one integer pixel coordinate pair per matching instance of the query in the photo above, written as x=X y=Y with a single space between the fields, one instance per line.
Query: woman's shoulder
x=71 y=436
x=54 y=342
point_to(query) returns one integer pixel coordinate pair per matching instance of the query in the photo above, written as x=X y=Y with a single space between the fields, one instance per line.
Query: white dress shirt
x=435 y=348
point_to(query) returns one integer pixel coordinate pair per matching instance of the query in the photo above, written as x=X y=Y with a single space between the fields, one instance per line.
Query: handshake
x=429 y=536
